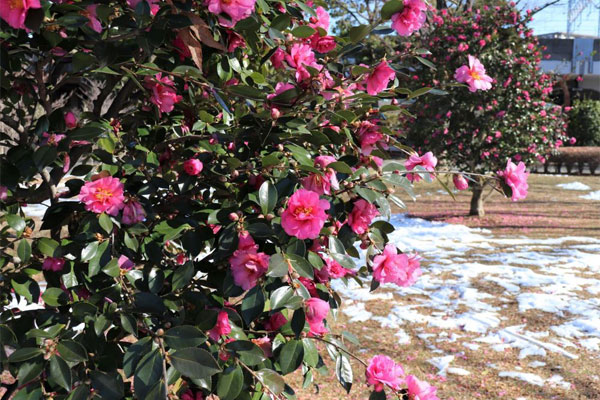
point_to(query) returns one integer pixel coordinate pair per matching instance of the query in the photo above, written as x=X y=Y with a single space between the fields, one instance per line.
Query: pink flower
x=125 y=263
x=316 y=312
x=3 y=193
x=299 y=57
x=321 y=20
x=133 y=212
x=361 y=216
x=369 y=136
x=474 y=75
x=163 y=95
x=53 y=264
x=152 y=3
x=222 y=328
x=335 y=270
x=395 y=268
x=52 y=139
x=515 y=176
x=427 y=161
x=235 y=41
x=70 y=120
x=94 y=22
x=265 y=345
x=460 y=182
x=382 y=371
x=420 y=390
x=236 y=9
x=322 y=44
x=322 y=184
x=410 y=19
x=280 y=88
x=277 y=58
x=275 y=322
x=305 y=215
x=379 y=78
x=14 y=12
x=190 y=395
x=247 y=265
x=103 y=195
x=193 y=166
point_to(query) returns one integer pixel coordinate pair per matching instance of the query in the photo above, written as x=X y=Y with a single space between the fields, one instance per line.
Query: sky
x=554 y=18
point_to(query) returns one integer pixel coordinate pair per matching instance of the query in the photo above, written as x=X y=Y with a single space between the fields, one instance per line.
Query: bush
x=584 y=122
x=205 y=169
x=576 y=157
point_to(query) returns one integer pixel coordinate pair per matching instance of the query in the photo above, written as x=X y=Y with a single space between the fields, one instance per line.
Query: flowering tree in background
x=204 y=170
x=503 y=113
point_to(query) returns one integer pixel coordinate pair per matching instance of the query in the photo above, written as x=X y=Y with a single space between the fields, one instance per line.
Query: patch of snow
x=357 y=312
x=591 y=195
x=441 y=363
x=573 y=186
x=458 y=371
x=536 y=364
x=524 y=376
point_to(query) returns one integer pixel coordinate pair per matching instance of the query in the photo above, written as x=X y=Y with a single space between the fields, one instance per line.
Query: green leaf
x=194 y=363
x=284 y=297
x=358 y=33
x=108 y=386
x=106 y=223
x=419 y=92
x=134 y=354
x=336 y=246
x=182 y=276
x=253 y=304
x=86 y=133
x=89 y=251
x=340 y=166
x=343 y=371
x=426 y=62
x=230 y=383
x=311 y=354
x=281 y=22
x=30 y=370
x=81 y=392
x=375 y=395
x=129 y=323
x=24 y=354
x=184 y=336
x=303 y=31
x=47 y=246
x=248 y=352
x=24 y=250
x=72 y=351
x=272 y=380
x=278 y=266
x=149 y=370
x=291 y=356
x=246 y=91
x=55 y=297
x=149 y=303
x=60 y=372
x=301 y=265
x=16 y=222
x=267 y=196
x=390 y=8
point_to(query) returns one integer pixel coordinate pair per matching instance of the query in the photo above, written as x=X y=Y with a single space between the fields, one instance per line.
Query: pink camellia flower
x=247 y=265
x=70 y=120
x=236 y=9
x=361 y=216
x=103 y=195
x=322 y=44
x=191 y=395
x=370 y=136
x=395 y=268
x=515 y=176
x=427 y=161
x=335 y=270
x=52 y=139
x=193 y=166
x=154 y=7
x=275 y=322
x=305 y=215
x=299 y=57
x=460 y=182
x=322 y=184
x=222 y=328
x=234 y=41
x=163 y=95
x=94 y=22
x=316 y=312
x=3 y=193
x=473 y=75
x=53 y=264
x=420 y=390
x=125 y=263
x=321 y=20
x=383 y=371
x=133 y=212
x=265 y=345
x=280 y=88
x=410 y=19
x=277 y=58
x=14 y=12
x=379 y=78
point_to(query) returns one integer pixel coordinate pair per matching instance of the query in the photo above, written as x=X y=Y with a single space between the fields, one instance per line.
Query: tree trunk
x=477 y=202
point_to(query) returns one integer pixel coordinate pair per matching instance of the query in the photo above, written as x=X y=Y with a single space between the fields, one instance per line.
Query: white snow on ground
x=573 y=186
x=553 y=275
x=592 y=195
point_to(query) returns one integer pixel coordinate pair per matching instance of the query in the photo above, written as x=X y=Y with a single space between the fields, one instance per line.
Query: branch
x=535 y=11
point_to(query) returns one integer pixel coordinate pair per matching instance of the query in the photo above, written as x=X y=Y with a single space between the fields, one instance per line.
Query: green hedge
x=584 y=122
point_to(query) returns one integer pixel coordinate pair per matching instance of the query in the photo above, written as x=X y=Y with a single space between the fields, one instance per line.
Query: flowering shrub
x=204 y=170
x=504 y=113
